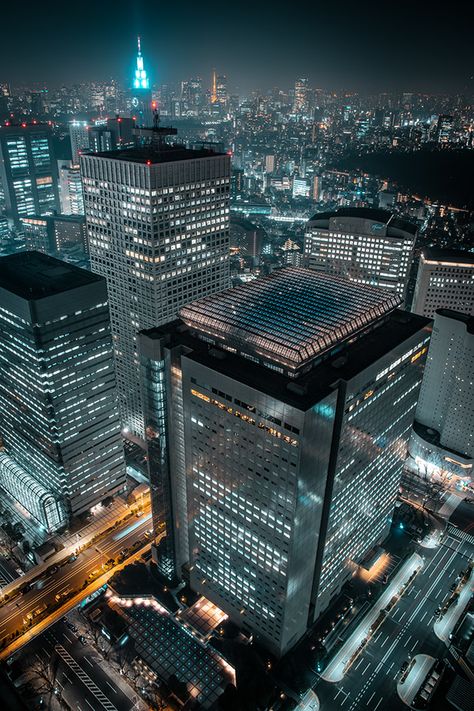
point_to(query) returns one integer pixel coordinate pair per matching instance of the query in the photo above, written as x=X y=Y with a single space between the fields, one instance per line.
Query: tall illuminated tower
x=214 y=88
x=141 y=92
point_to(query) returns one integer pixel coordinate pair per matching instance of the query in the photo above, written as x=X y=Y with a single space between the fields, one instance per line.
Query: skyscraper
x=445 y=279
x=222 y=93
x=141 y=92
x=59 y=420
x=28 y=171
x=70 y=189
x=444 y=129
x=365 y=245
x=79 y=137
x=101 y=138
x=300 y=103
x=443 y=432
x=158 y=225
x=277 y=418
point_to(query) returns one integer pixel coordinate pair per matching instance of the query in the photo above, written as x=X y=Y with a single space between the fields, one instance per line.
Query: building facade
x=443 y=434
x=70 y=189
x=79 y=137
x=59 y=419
x=365 y=245
x=28 y=171
x=288 y=441
x=158 y=231
x=445 y=280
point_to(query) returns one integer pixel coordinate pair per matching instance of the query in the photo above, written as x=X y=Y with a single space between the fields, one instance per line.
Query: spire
x=140 y=79
x=214 y=88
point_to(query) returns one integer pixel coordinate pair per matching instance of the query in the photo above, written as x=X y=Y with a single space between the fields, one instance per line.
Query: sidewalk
x=416 y=676
x=443 y=627
x=338 y=666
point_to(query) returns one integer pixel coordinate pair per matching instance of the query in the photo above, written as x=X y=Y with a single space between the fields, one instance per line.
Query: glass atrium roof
x=291 y=316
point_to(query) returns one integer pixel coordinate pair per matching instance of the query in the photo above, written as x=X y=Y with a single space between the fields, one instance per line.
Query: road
x=71 y=576
x=370 y=683
x=463 y=517
x=80 y=674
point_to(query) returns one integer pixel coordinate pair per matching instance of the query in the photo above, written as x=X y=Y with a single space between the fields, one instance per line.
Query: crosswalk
x=461 y=535
x=85 y=678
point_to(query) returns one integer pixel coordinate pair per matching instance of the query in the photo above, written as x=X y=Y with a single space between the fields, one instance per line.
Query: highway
x=370 y=684
x=80 y=674
x=70 y=576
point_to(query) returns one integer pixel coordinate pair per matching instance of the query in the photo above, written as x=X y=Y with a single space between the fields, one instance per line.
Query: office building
x=222 y=93
x=5 y=235
x=37 y=108
x=365 y=245
x=301 y=95
x=37 y=234
x=445 y=280
x=158 y=229
x=59 y=420
x=277 y=416
x=443 y=433
x=28 y=171
x=79 y=136
x=122 y=128
x=246 y=238
x=101 y=138
x=269 y=164
x=444 y=128
x=300 y=188
x=69 y=235
x=70 y=188
x=316 y=188
x=57 y=235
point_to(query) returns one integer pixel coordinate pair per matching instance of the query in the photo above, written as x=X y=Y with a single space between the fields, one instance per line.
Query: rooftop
x=151 y=155
x=291 y=317
x=437 y=254
x=384 y=217
x=467 y=319
x=34 y=275
x=317 y=383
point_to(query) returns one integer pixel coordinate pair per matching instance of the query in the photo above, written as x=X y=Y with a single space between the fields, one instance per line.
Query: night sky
x=364 y=46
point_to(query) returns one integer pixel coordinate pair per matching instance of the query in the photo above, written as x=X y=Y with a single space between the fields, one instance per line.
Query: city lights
x=236 y=358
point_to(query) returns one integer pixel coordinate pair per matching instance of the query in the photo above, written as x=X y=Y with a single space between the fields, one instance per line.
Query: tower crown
x=141 y=79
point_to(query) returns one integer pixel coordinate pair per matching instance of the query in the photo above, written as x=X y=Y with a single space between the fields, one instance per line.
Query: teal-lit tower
x=141 y=107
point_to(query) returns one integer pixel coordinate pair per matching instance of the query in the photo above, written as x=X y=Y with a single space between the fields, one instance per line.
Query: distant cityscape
x=236 y=397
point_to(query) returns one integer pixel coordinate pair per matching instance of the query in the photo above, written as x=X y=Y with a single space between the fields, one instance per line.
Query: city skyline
x=354 y=49
x=237 y=357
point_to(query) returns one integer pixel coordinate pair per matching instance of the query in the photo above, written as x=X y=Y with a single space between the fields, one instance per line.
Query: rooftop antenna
x=156 y=135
